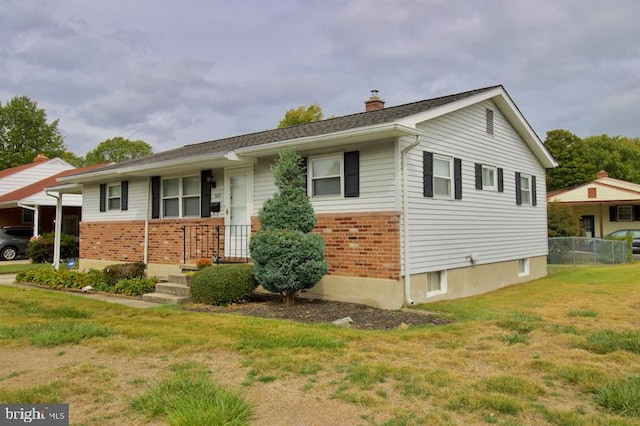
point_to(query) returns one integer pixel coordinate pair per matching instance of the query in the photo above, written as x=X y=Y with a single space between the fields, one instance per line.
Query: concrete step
x=163 y=298
x=173 y=288
x=180 y=278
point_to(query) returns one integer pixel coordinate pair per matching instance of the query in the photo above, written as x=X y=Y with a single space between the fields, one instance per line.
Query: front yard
x=561 y=350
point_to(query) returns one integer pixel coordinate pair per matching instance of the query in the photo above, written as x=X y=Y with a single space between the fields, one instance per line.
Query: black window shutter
x=478 y=175
x=518 y=190
x=305 y=161
x=205 y=192
x=427 y=174
x=457 y=177
x=500 y=180
x=636 y=213
x=534 y=192
x=352 y=174
x=124 y=194
x=613 y=213
x=103 y=197
x=155 y=197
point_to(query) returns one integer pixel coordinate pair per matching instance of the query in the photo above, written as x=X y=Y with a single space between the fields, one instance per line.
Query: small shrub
x=121 y=271
x=223 y=284
x=134 y=286
x=203 y=263
x=40 y=249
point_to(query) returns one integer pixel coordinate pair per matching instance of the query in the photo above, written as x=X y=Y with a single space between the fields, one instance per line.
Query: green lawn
x=564 y=350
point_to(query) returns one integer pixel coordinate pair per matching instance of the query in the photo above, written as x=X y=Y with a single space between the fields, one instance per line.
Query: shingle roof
x=40 y=185
x=331 y=125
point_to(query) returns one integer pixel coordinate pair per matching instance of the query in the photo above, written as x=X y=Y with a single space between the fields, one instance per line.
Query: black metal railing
x=220 y=243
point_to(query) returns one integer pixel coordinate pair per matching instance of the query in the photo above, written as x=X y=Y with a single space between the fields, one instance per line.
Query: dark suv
x=14 y=241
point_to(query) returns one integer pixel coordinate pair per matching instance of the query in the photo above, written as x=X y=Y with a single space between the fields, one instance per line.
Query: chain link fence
x=587 y=251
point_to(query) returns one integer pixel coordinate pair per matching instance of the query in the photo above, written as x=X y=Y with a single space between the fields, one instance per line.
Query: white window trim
x=340 y=156
x=109 y=198
x=630 y=215
x=525 y=263
x=443 y=284
x=180 y=197
x=450 y=177
x=525 y=201
x=493 y=187
x=188 y=196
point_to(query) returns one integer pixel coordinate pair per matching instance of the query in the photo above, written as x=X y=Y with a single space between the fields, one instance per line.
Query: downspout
x=36 y=217
x=146 y=225
x=405 y=223
x=57 y=230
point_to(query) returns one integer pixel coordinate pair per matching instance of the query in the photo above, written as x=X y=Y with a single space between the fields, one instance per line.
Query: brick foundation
x=362 y=245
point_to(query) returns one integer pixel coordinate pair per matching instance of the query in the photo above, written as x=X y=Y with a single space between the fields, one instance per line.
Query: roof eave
x=359 y=134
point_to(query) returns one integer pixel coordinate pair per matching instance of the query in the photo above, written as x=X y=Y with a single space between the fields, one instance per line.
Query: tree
x=563 y=221
x=287 y=256
x=580 y=159
x=302 y=114
x=25 y=133
x=117 y=150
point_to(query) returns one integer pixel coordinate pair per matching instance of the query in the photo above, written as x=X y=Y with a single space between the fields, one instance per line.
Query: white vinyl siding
x=379 y=168
x=137 y=208
x=32 y=174
x=443 y=234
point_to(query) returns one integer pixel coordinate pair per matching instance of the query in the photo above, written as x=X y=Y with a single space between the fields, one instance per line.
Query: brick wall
x=357 y=244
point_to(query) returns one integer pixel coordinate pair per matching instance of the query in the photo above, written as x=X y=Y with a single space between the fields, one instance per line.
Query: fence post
x=573 y=250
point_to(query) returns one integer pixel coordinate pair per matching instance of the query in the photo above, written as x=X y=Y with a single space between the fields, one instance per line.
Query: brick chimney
x=602 y=174
x=40 y=157
x=374 y=102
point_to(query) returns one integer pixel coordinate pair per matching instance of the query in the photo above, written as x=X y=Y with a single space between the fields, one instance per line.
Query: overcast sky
x=178 y=72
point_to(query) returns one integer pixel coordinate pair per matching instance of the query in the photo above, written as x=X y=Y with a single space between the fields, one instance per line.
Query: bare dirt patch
x=324 y=311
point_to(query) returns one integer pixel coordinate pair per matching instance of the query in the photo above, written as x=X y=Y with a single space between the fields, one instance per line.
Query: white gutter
x=146 y=225
x=405 y=223
x=36 y=217
x=345 y=134
x=57 y=230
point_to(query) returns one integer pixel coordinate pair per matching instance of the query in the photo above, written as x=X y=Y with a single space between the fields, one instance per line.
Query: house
x=436 y=199
x=24 y=201
x=605 y=204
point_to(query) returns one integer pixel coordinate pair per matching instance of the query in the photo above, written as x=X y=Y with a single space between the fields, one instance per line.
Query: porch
x=219 y=243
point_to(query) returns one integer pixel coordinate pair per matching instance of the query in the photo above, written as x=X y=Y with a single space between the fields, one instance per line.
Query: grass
x=536 y=353
x=189 y=397
x=20 y=267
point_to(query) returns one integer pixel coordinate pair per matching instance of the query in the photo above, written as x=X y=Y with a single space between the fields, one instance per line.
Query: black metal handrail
x=220 y=243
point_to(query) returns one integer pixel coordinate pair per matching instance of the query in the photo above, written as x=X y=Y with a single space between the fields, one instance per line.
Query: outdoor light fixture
x=211 y=182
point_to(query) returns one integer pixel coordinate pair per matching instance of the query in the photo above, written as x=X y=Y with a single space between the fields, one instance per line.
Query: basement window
x=436 y=283
x=523 y=267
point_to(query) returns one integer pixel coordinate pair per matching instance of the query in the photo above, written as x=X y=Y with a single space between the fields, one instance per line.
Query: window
x=326 y=176
x=523 y=267
x=113 y=197
x=489 y=116
x=442 y=176
x=27 y=216
x=625 y=214
x=489 y=178
x=436 y=283
x=181 y=197
x=525 y=189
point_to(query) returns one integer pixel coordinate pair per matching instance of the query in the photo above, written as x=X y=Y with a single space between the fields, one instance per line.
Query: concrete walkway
x=10 y=280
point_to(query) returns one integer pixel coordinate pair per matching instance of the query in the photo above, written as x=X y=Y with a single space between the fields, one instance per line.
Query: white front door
x=239 y=203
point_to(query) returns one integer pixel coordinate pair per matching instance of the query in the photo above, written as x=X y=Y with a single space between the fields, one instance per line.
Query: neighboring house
x=605 y=205
x=23 y=200
x=437 y=199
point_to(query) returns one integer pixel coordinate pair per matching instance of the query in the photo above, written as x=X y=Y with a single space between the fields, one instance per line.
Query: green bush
x=134 y=286
x=223 y=284
x=122 y=271
x=40 y=249
x=65 y=278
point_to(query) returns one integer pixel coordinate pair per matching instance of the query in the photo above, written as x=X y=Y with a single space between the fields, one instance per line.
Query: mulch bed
x=325 y=311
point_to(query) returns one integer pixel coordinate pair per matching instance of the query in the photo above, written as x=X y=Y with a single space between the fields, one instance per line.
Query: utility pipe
x=146 y=225
x=405 y=222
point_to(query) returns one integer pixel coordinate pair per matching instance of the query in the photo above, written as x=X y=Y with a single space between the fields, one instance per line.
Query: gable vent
x=489 y=114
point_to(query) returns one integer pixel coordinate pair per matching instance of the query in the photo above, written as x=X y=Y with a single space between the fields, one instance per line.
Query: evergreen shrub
x=223 y=284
